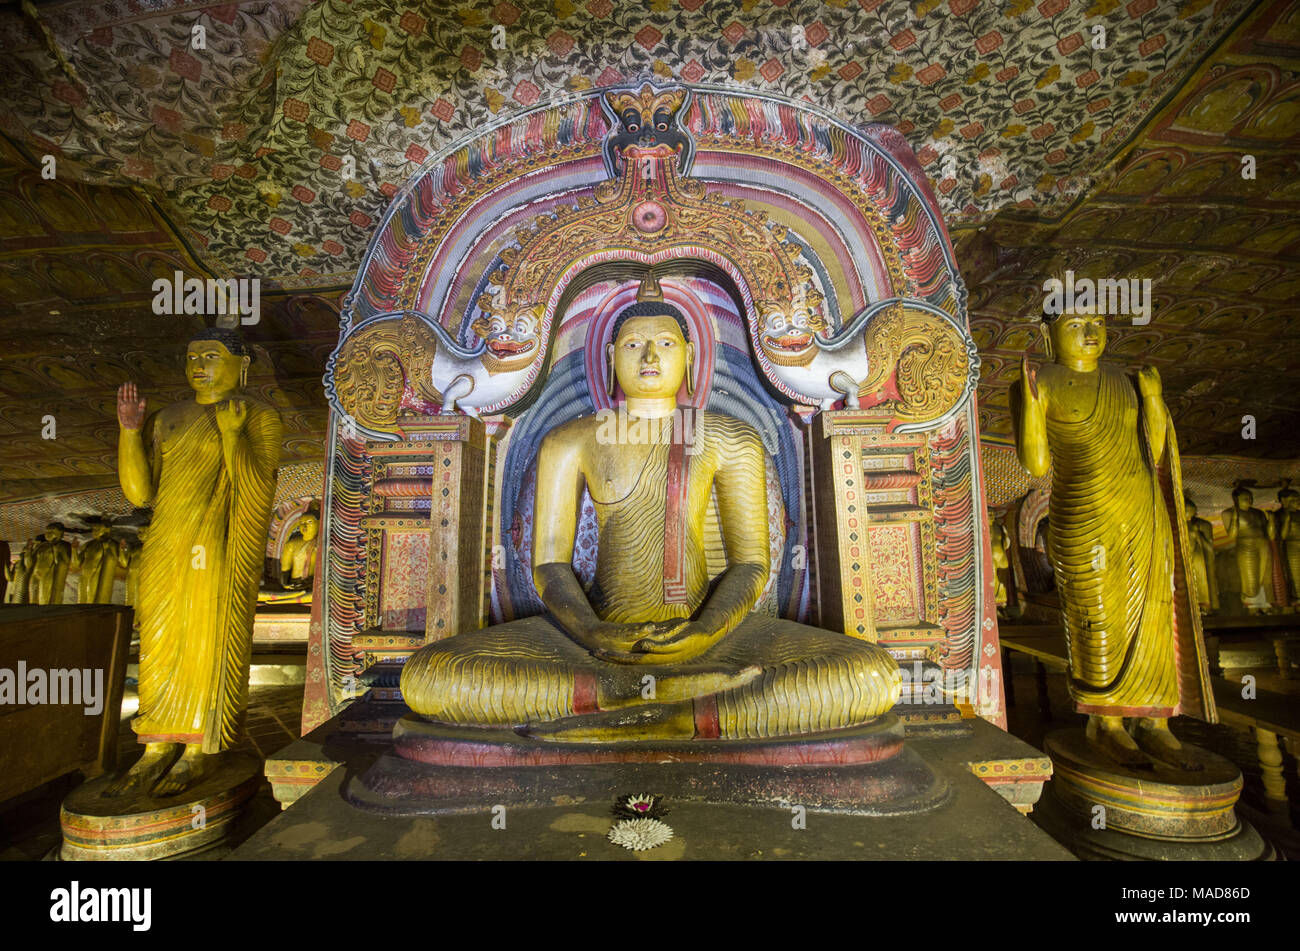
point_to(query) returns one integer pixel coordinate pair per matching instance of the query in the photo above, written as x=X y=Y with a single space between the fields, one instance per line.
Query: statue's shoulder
x=573 y=430
x=258 y=405
x=730 y=432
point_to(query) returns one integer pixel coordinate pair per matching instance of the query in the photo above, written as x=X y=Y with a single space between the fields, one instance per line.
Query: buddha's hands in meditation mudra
x=656 y=648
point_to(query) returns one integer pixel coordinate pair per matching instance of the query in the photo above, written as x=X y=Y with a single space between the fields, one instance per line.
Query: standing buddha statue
x=1204 y=583
x=1112 y=540
x=51 y=558
x=98 y=561
x=208 y=468
x=1288 y=539
x=1249 y=530
x=17 y=575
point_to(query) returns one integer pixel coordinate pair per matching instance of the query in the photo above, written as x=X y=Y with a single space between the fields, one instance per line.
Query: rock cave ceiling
x=1046 y=152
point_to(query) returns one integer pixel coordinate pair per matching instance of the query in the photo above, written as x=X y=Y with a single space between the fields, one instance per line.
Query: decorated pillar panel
x=459 y=563
x=427 y=574
x=844 y=589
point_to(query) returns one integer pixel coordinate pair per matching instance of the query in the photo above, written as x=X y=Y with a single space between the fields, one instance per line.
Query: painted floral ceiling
x=1063 y=133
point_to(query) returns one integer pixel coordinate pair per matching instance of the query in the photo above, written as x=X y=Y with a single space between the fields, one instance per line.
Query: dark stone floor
x=29 y=824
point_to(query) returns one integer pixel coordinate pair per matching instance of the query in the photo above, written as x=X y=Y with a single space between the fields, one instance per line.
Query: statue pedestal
x=445 y=770
x=321 y=824
x=144 y=827
x=1102 y=810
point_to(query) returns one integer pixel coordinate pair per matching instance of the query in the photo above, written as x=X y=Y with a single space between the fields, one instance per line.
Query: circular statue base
x=142 y=827
x=1104 y=810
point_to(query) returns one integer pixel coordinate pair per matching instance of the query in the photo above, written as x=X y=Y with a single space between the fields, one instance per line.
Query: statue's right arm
x=1029 y=422
x=132 y=461
x=1230 y=524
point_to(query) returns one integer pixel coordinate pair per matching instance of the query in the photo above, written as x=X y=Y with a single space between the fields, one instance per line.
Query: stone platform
x=364 y=731
x=439 y=769
x=973 y=823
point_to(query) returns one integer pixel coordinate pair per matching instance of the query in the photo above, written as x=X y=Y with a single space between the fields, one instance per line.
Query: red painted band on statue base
x=822 y=751
x=584 y=692
x=706 y=718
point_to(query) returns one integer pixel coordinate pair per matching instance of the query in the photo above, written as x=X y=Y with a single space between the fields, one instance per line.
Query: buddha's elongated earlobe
x=609 y=370
x=243 y=373
x=690 y=369
x=1046 y=331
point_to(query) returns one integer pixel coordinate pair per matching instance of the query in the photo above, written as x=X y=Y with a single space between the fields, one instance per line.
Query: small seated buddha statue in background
x=656 y=649
x=298 y=559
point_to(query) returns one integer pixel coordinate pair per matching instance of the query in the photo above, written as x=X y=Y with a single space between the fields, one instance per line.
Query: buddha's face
x=100 y=531
x=53 y=534
x=309 y=527
x=650 y=357
x=1190 y=509
x=1290 y=501
x=1078 y=338
x=1244 y=501
x=211 y=368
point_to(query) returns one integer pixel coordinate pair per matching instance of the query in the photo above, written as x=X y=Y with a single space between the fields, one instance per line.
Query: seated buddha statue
x=298 y=559
x=655 y=649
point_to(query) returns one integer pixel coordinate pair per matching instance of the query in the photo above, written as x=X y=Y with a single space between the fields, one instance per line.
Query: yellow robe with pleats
x=199 y=572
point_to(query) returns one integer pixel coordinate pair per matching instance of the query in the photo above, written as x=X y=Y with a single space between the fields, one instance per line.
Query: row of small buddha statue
x=1251 y=533
x=40 y=572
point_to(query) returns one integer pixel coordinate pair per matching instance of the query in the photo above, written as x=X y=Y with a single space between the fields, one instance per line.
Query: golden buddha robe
x=1201 y=568
x=1112 y=549
x=98 y=560
x=652 y=565
x=1288 y=540
x=199 y=572
x=1253 y=551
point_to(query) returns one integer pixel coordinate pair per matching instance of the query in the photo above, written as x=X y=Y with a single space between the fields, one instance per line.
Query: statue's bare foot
x=1112 y=741
x=147 y=769
x=193 y=765
x=636 y=686
x=1155 y=740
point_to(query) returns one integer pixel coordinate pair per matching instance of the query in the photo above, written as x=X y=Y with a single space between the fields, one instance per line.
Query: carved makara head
x=511 y=343
x=787 y=333
x=646 y=118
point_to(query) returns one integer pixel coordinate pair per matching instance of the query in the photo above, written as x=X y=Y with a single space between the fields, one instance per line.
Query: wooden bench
x=1281 y=629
